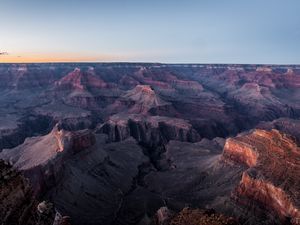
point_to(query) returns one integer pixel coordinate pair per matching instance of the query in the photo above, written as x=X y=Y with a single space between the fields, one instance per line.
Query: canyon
x=133 y=143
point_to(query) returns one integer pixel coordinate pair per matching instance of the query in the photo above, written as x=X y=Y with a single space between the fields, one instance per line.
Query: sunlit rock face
x=273 y=159
x=41 y=158
x=272 y=197
x=240 y=152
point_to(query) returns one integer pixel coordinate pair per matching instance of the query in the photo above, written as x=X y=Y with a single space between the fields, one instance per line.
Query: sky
x=167 y=31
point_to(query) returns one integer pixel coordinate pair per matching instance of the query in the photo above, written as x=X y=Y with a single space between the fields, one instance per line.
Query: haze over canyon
x=149 y=143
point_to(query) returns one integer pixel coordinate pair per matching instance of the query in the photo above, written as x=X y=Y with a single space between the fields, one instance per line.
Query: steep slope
x=80 y=80
x=96 y=181
x=41 y=158
x=272 y=180
x=18 y=206
x=142 y=98
x=149 y=130
x=83 y=88
x=150 y=149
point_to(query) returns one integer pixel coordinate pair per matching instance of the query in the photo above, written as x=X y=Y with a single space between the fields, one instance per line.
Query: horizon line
x=149 y=62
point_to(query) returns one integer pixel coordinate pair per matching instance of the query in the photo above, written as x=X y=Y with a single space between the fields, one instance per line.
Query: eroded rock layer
x=272 y=177
x=134 y=137
x=149 y=130
x=41 y=158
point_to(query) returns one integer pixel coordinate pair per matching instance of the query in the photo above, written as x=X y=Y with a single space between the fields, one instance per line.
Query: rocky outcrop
x=18 y=206
x=240 y=152
x=80 y=80
x=84 y=89
x=76 y=141
x=193 y=217
x=112 y=178
x=149 y=130
x=96 y=182
x=272 y=179
x=82 y=139
x=273 y=198
x=41 y=158
x=144 y=98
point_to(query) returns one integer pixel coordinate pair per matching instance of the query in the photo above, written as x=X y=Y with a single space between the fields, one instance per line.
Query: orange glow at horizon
x=44 y=58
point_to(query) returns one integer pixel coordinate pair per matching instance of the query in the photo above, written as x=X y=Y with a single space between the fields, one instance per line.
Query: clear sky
x=177 y=31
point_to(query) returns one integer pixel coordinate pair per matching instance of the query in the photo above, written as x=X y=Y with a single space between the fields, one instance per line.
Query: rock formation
x=135 y=137
x=197 y=216
x=272 y=176
x=149 y=130
x=18 y=205
x=79 y=80
x=143 y=98
x=100 y=177
x=41 y=158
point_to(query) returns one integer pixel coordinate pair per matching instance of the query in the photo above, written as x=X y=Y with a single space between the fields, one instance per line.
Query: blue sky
x=190 y=31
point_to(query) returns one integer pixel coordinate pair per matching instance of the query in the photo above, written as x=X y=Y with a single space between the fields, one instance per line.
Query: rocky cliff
x=271 y=179
x=18 y=205
x=41 y=158
x=155 y=138
x=149 y=130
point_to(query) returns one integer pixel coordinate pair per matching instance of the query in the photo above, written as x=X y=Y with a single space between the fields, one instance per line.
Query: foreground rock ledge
x=188 y=216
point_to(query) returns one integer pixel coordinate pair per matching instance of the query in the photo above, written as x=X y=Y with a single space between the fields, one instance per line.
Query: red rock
x=79 y=80
x=272 y=179
x=37 y=155
x=140 y=99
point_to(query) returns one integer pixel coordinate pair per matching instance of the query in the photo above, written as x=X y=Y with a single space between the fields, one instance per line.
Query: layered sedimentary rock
x=123 y=182
x=141 y=99
x=145 y=96
x=272 y=180
x=41 y=158
x=149 y=130
x=82 y=88
x=79 y=80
